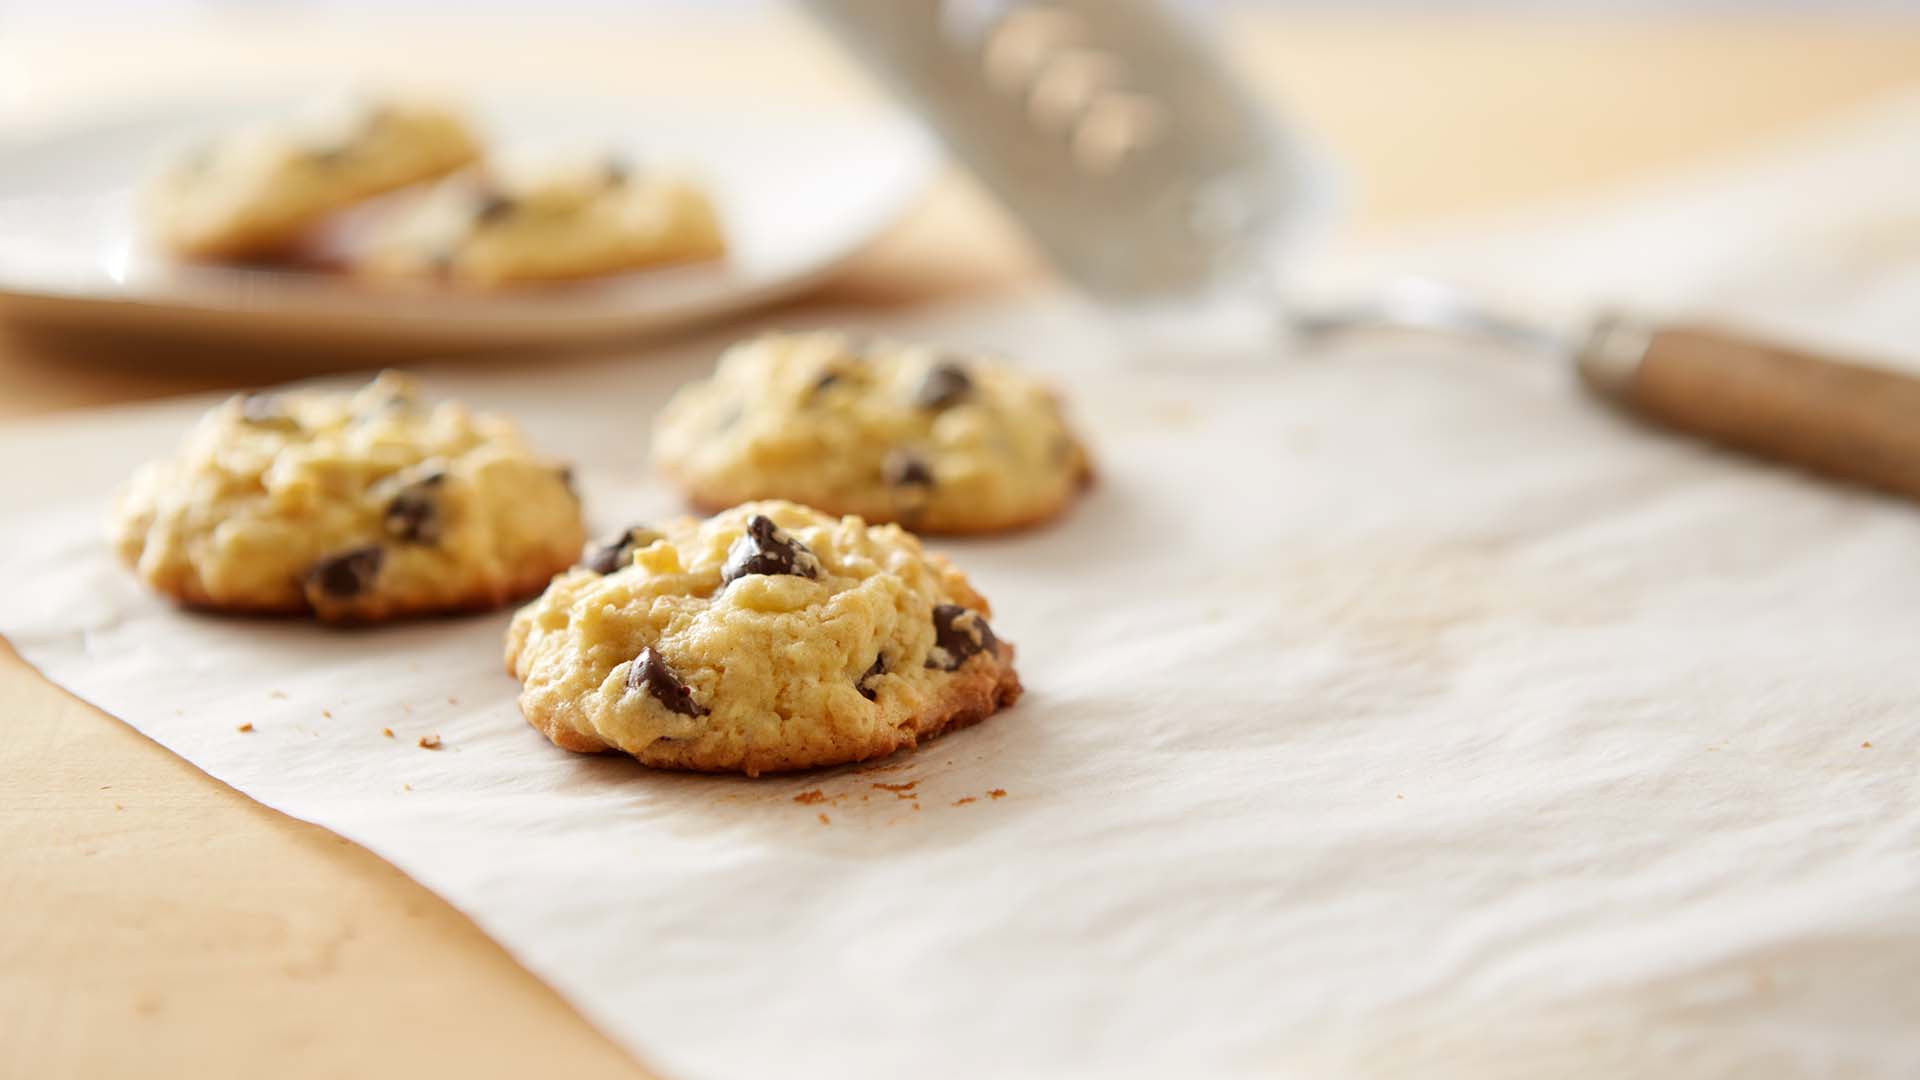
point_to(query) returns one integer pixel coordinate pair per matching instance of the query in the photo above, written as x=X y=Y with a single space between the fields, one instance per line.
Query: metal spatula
x=1148 y=176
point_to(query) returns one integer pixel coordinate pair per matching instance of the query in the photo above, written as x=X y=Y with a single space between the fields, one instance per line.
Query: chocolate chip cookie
x=768 y=637
x=584 y=219
x=259 y=192
x=360 y=506
x=890 y=431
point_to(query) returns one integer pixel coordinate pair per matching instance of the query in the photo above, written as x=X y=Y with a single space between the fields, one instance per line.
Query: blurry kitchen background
x=1421 y=99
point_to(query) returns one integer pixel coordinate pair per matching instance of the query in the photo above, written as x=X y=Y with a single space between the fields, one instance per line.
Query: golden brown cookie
x=359 y=506
x=259 y=192
x=583 y=220
x=890 y=431
x=766 y=638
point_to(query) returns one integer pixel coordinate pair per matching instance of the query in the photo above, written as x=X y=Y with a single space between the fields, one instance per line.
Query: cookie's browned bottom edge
x=994 y=686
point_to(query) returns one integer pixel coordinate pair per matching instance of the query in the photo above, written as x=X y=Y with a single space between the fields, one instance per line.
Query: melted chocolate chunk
x=864 y=682
x=902 y=469
x=492 y=206
x=945 y=384
x=958 y=634
x=413 y=514
x=568 y=481
x=651 y=672
x=347 y=574
x=767 y=549
x=612 y=553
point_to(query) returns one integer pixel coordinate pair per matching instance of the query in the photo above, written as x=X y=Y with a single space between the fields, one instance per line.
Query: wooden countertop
x=158 y=923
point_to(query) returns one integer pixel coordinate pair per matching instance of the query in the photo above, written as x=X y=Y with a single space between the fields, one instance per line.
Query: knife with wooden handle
x=1843 y=419
x=1147 y=173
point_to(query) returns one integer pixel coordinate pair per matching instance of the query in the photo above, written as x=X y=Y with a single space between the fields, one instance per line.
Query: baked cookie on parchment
x=890 y=431
x=766 y=638
x=350 y=506
x=259 y=192
x=578 y=220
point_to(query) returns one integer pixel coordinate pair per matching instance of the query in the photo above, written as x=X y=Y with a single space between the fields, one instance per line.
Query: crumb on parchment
x=997 y=793
x=387 y=731
x=808 y=798
x=825 y=820
x=248 y=726
x=429 y=742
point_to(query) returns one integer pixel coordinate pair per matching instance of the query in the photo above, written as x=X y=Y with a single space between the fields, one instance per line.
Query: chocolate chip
x=263 y=410
x=958 y=634
x=413 y=514
x=650 y=671
x=347 y=574
x=330 y=154
x=765 y=548
x=260 y=408
x=616 y=171
x=492 y=206
x=825 y=380
x=902 y=469
x=863 y=683
x=945 y=384
x=568 y=481
x=615 y=552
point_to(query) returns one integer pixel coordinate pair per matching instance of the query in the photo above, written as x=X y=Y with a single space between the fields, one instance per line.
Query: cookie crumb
x=117 y=807
x=387 y=731
x=246 y=727
x=453 y=701
x=326 y=713
x=1868 y=745
x=961 y=802
x=898 y=788
x=997 y=793
x=825 y=820
x=408 y=787
x=808 y=798
x=429 y=742
x=280 y=694
x=1399 y=796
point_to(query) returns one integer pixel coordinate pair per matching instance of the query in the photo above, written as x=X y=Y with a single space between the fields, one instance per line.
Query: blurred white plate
x=799 y=193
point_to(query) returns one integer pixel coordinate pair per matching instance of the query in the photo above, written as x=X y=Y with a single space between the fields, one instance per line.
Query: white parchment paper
x=1397 y=711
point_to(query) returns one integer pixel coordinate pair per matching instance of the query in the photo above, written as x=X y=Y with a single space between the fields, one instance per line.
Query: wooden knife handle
x=1846 y=420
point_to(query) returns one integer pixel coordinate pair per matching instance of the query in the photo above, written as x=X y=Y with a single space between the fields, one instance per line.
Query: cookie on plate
x=259 y=192
x=768 y=637
x=360 y=506
x=573 y=221
x=938 y=442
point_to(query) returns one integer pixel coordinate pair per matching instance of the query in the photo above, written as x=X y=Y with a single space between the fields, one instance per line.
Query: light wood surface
x=161 y=924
